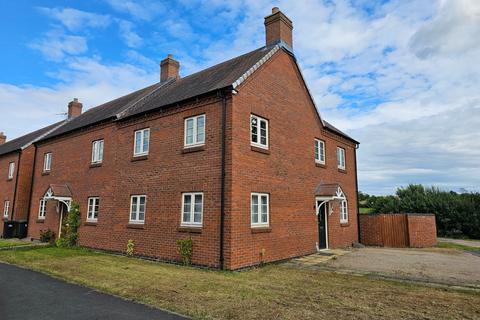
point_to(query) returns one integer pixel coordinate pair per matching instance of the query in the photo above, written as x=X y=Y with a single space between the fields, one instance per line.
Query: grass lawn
x=365 y=210
x=451 y=245
x=271 y=292
x=12 y=243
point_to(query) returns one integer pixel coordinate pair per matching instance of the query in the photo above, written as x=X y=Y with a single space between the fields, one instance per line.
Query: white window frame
x=195 y=142
x=97 y=151
x=344 y=211
x=137 y=209
x=317 y=150
x=42 y=209
x=6 y=208
x=47 y=162
x=259 y=120
x=259 y=224
x=191 y=222
x=341 y=158
x=142 y=142
x=11 y=170
x=91 y=204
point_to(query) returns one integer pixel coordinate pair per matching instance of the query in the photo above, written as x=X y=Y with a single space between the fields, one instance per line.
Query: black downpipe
x=358 y=202
x=222 y=192
x=31 y=184
x=17 y=168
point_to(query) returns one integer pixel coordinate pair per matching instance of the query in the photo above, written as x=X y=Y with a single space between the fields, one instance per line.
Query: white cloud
x=140 y=9
x=76 y=20
x=131 y=38
x=55 y=45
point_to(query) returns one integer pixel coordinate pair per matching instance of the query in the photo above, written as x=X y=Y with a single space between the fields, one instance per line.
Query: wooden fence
x=398 y=230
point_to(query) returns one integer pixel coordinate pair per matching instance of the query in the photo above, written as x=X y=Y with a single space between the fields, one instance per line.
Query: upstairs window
x=142 y=142
x=259 y=210
x=97 y=151
x=343 y=211
x=11 y=170
x=47 y=162
x=93 y=205
x=6 y=206
x=319 y=151
x=341 y=158
x=258 y=132
x=42 y=210
x=137 y=209
x=192 y=209
x=195 y=131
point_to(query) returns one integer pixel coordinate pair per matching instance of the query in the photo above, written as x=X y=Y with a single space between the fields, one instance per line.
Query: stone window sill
x=90 y=223
x=45 y=173
x=135 y=226
x=193 y=149
x=261 y=230
x=260 y=150
x=95 y=165
x=190 y=229
x=40 y=220
x=342 y=170
x=344 y=224
x=320 y=165
x=139 y=158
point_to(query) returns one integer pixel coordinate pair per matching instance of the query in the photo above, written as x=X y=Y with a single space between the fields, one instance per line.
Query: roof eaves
x=257 y=65
x=45 y=134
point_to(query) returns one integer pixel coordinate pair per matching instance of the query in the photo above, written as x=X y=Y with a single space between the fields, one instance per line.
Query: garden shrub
x=69 y=236
x=47 y=236
x=185 y=249
x=130 y=248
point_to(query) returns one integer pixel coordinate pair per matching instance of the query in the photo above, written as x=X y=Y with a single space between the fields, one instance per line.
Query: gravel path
x=443 y=266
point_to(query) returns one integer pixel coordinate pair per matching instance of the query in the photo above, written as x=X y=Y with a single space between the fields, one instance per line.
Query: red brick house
x=235 y=156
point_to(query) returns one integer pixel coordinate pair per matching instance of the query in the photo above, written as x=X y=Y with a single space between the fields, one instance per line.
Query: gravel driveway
x=443 y=266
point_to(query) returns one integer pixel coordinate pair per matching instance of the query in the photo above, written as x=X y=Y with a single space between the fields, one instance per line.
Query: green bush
x=47 y=236
x=70 y=224
x=185 y=249
x=130 y=248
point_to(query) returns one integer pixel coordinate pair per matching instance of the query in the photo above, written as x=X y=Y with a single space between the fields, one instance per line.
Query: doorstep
x=316 y=259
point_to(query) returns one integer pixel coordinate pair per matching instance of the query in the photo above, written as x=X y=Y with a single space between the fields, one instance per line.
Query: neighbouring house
x=235 y=156
x=16 y=168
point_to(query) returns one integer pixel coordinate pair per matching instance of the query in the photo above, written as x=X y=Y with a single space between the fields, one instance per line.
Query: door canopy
x=329 y=192
x=60 y=193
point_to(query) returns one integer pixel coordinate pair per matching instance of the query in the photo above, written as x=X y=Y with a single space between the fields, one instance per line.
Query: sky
x=402 y=77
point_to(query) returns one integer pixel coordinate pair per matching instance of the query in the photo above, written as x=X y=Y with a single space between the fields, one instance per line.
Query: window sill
x=45 y=173
x=260 y=150
x=320 y=165
x=96 y=164
x=261 y=229
x=139 y=158
x=40 y=220
x=9 y=179
x=187 y=149
x=135 y=226
x=344 y=224
x=90 y=223
x=190 y=229
x=342 y=170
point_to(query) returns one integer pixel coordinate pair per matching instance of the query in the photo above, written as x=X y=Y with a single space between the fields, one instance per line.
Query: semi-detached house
x=235 y=156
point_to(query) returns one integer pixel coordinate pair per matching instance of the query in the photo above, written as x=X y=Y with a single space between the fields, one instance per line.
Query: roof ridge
x=142 y=99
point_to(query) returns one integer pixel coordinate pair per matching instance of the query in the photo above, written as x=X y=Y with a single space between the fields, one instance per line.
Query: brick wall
x=288 y=172
x=419 y=232
x=422 y=230
x=7 y=186
x=24 y=184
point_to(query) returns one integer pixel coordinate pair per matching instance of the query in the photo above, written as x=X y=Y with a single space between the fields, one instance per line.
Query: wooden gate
x=394 y=229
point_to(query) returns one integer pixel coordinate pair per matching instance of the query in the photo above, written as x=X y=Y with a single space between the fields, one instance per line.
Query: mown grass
x=451 y=245
x=271 y=292
x=365 y=210
x=4 y=243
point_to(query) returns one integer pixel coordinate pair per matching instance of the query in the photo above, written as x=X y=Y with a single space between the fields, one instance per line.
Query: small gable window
x=137 y=209
x=319 y=151
x=97 y=151
x=42 y=209
x=93 y=205
x=341 y=158
x=6 y=207
x=195 y=131
x=11 y=170
x=259 y=209
x=192 y=209
x=47 y=162
x=258 y=132
x=343 y=211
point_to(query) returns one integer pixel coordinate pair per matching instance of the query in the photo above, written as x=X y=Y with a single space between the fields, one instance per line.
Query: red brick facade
x=7 y=186
x=422 y=231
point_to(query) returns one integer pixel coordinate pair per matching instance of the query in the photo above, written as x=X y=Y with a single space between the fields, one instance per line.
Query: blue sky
x=400 y=76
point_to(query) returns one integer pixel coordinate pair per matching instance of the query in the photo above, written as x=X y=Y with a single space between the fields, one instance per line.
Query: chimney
x=169 y=68
x=278 y=28
x=3 y=138
x=74 y=108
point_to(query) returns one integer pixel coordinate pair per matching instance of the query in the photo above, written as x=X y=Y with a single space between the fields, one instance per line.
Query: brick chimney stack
x=74 y=108
x=278 y=28
x=3 y=138
x=169 y=68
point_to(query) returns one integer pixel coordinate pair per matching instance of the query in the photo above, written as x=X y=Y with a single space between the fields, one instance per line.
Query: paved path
x=26 y=294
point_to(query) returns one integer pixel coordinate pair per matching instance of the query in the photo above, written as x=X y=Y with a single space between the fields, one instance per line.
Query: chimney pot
x=278 y=28
x=169 y=68
x=74 y=108
x=3 y=138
